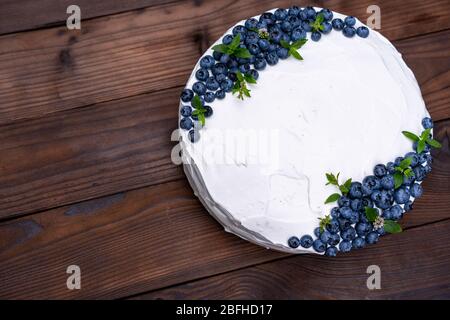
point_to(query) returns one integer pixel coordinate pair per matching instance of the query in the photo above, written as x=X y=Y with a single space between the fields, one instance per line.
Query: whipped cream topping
x=341 y=109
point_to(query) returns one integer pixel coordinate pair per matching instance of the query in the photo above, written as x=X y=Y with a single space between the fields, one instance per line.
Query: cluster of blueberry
x=348 y=226
x=263 y=39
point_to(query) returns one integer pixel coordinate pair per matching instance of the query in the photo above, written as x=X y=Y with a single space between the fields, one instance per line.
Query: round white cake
x=259 y=165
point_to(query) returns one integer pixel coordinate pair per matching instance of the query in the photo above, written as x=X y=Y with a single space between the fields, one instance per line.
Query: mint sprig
x=403 y=170
x=343 y=188
x=423 y=140
x=293 y=47
x=240 y=85
x=390 y=226
x=324 y=222
x=233 y=48
x=199 y=110
x=316 y=25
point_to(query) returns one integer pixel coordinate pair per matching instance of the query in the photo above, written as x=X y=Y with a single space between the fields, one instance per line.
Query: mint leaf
x=242 y=53
x=434 y=143
x=398 y=179
x=197 y=102
x=332 y=179
x=299 y=43
x=236 y=42
x=334 y=197
x=371 y=213
x=405 y=163
x=249 y=79
x=222 y=48
x=408 y=172
x=420 y=146
x=285 y=44
x=295 y=54
x=391 y=226
x=425 y=134
x=410 y=136
x=348 y=183
x=324 y=222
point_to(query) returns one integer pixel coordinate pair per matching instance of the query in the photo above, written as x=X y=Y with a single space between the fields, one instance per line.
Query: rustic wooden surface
x=86 y=176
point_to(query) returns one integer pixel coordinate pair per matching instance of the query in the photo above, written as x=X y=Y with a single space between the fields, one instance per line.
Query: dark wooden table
x=86 y=177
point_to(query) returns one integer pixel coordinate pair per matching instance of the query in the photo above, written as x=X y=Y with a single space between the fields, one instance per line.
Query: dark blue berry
x=207 y=62
x=202 y=74
x=343 y=223
x=416 y=190
x=271 y=58
x=226 y=85
x=217 y=55
x=367 y=202
x=281 y=14
x=220 y=77
x=398 y=160
x=334 y=239
x=286 y=26
x=317 y=232
x=408 y=206
x=358 y=243
x=381 y=231
x=303 y=15
x=298 y=34
x=343 y=201
x=337 y=24
x=372 y=237
x=240 y=30
x=386 y=199
x=253 y=48
x=325 y=236
x=380 y=170
x=186 y=111
x=252 y=38
x=268 y=18
x=350 y=21
x=219 y=68
x=220 y=94
x=333 y=226
x=194 y=135
x=319 y=246
x=209 y=97
x=362 y=228
x=227 y=39
x=424 y=158
x=306 y=26
x=275 y=36
x=335 y=212
x=427 y=123
x=387 y=182
x=390 y=167
x=345 y=246
x=427 y=169
x=362 y=31
x=327 y=14
x=408 y=180
x=349 y=31
x=260 y=64
x=263 y=44
x=199 y=88
x=282 y=53
x=396 y=212
x=306 y=241
x=369 y=184
x=187 y=95
x=401 y=195
x=355 y=190
x=326 y=27
x=251 y=23
x=315 y=36
x=294 y=21
x=345 y=212
x=356 y=205
x=186 y=123
x=212 y=84
x=225 y=58
x=419 y=173
x=310 y=12
x=331 y=251
x=293 y=11
x=254 y=74
x=293 y=242
x=348 y=234
x=414 y=158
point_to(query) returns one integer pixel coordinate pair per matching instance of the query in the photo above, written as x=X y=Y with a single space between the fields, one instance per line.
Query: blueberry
x=186 y=111
x=327 y=14
x=240 y=30
x=226 y=85
x=386 y=199
x=306 y=241
x=315 y=36
x=244 y=68
x=186 y=123
x=319 y=246
x=199 y=88
x=275 y=36
x=387 y=182
x=381 y=231
x=334 y=239
x=326 y=27
x=355 y=190
x=325 y=236
x=390 y=167
x=331 y=251
x=306 y=26
x=398 y=160
x=293 y=242
x=293 y=11
x=358 y=243
x=220 y=77
x=408 y=180
x=311 y=13
x=209 y=97
x=345 y=246
x=232 y=63
x=401 y=195
x=335 y=212
x=370 y=184
x=227 y=39
x=362 y=217
x=225 y=58
x=424 y=158
x=350 y=21
x=380 y=170
x=343 y=223
x=356 y=205
x=253 y=49
x=348 y=234
x=281 y=14
x=333 y=226
x=414 y=158
x=408 y=206
x=272 y=47
x=254 y=74
x=207 y=62
x=219 y=68
x=187 y=95
x=252 y=38
x=272 y=58
x=212 y=84
x=194 y=135
x=427 y=123
x=416 y=190
x=282 y=53
x=419 y=173
x=337 y=24
x=349 y=31
x=396 y=212
x=362 y=228
x=268 y=18
x=427 y=169
x=294 y=21
x=362 y=31
x=220 y=94
x=217 y=55
x=345 y=212
x=251 y=23
x=286 y=26
x=372 y=237
x=343 y=201
x=298 y=34
x=260 y=64
x=317 y=232
x=367 y=202
x=202 y=74
x=303 y=15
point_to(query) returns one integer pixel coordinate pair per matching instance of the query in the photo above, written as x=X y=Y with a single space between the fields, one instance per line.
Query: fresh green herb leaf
x=285 y=44
x=332 y=179
x=324 y=222
x=421 y=146
x=434 y=143
x=222 y=48
x=348 y=183
x=295 y=54
x=398 y=180
x=391 y=226
x=408 y=173
x=233 y=48
x=334 y=197
x=405 y=163
x=293 y=47
x=197 y=102
x=299 y=43
x=316 y=25
x=249 y=79
x=371 y=214
x=410 y=136
x=425 y=134
x=242 y=53
x=240 y=86
x=235 y=42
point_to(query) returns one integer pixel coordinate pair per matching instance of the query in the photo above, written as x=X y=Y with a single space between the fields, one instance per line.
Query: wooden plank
x=113 y=57
x=151 y=238
x=123 y=144
x=414 y=265
x=30 y=14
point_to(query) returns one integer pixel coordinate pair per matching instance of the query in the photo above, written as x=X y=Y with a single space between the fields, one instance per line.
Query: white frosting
x=341 y=109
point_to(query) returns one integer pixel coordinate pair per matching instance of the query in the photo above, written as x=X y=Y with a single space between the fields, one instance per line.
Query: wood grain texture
x=414 y=265
x=122 y=55
x=118 y=145
x=156 y=237
x=30 y=14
